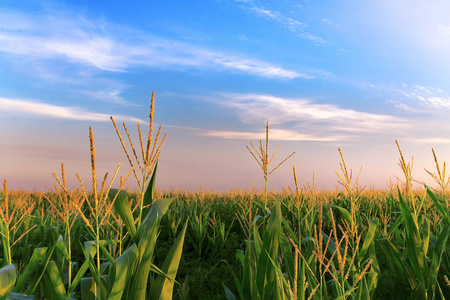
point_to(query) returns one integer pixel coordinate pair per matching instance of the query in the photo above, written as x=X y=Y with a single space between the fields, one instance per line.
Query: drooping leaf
x=8 y=277
x=38 y=255
x=370 y=235
x=122 y=207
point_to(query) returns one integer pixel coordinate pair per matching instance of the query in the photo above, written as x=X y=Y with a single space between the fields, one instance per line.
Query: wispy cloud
x=430 y=97
x=112 y=96
x=40 y=109
x=304 y=112
x=275 y=134
x=109 y=47
x=293 y=25
x=430 y=141
x=299 y=119
x=402 y=106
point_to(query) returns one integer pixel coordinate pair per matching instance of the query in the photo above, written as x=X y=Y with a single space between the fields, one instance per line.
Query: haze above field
x=329 y=74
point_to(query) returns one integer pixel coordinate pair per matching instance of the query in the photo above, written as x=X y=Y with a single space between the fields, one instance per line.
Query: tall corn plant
x=345 y=179
x=147 y=163
x=65 y=210
x=143 y=230
x=261 y=155
x=11 y=216
x=407 y=172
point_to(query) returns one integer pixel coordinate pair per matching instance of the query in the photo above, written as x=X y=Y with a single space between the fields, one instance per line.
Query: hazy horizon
x=325 y=75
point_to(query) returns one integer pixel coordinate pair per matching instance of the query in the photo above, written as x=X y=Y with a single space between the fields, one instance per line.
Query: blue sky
x=328 y=74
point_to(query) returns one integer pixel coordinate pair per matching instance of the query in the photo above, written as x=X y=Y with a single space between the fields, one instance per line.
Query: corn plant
x=198 y=233
x=137 y=259
x=262 y=158
x=217 y=240
x=149 y=156
x=440 y=177
x=11 y=215
x=407 y=172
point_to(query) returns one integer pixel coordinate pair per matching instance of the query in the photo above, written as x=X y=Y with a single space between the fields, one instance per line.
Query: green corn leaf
x=62 y=247
x=437 y=256
x=228 y=293
x=438 y=205
x=394 y=228
x=249 y=287
x=345 y=214
x=414 y=242
x=140 y=278
x=240 y=256
x=397 y=262
x=102 y=244
x=425 y=234
x=266 y=277
x=32 y=265
x=284 y=283
x=89 y=289
x=124 y=269
x=8 y=277
x=422 y=200
x=419 y=293
x=370 y=235
x=162 y=288
x=288 y=258
x=148 y=232
x=17 y=296
x=257 y=241
x=362 y=290
x=122 y=207
x=290 y=232
x=54 y=283
x=42 y=267
x=77 y=279
x=372 y=280
x=149 y=195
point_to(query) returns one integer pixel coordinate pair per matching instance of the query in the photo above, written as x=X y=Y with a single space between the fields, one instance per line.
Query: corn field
x=104 y=242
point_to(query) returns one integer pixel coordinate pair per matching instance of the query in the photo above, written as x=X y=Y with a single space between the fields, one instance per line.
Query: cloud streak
x=275 y=134
x=293 y=25
x=40 y=109
x=112 y=48
x=428 y=96
x=306 y=113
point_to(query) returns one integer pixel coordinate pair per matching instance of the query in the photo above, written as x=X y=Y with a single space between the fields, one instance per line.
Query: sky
x=355 y=75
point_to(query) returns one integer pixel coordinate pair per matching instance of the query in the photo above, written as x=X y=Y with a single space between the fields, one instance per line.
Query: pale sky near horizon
x=350 y=74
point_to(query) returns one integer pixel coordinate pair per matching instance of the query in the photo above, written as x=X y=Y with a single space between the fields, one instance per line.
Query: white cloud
x=112 y=96
x=430 y=141
x=297 y=27
x=117 y=49
x=313 y=117
x=430 y=97
x=275 y=134
x=40 y=109
x=403 y=106
x=275 y=15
